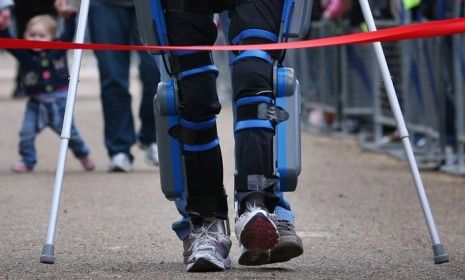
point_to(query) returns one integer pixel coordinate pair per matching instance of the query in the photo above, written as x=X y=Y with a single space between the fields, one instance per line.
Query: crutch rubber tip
x=48 y=254
x=440 y=255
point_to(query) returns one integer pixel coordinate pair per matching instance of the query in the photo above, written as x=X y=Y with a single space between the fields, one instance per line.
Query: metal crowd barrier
x=457 y=164
x=458 y=47
x=364 y=93
x=423 y=97
x=414 y=65
x=359 y=84
x=318 y=72
x=342 y=85
x=459 y=63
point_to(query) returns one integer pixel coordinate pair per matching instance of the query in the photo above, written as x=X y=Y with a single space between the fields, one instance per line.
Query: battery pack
x=297 y=22
x=172 y=171
x=151 y=23
x=288 y=134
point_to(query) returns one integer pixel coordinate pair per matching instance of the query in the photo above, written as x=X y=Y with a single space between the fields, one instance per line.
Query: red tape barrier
x=411 y=31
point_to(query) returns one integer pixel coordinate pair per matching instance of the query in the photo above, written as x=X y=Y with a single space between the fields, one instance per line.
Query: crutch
x=48 y=254
x=440 y=254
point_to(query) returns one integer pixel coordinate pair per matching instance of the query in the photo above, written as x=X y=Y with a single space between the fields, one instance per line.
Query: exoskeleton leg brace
x=185 y=109
x=266 y=99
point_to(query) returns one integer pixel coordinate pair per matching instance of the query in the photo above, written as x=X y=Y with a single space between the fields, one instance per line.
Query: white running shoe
x=289 y=246
x=257 y=233
x=210 y=247
x=120 y=163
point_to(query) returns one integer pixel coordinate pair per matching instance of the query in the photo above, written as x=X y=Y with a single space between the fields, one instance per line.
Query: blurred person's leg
x=448 y=109
x=150 y=77
x=112 y=24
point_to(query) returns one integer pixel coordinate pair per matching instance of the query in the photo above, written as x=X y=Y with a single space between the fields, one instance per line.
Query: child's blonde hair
x=48 y=21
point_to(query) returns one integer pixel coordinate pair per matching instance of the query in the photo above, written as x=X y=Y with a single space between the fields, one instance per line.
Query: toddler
x=45 y=82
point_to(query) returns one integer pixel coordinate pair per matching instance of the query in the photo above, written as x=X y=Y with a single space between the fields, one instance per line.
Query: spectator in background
x=23 y=12
x=45 y=79
x=5 y=13
x=335 y=9
x=114 y=22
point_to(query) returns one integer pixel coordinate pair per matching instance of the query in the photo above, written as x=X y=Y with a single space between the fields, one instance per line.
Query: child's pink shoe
x=20 y=167
x=87 y=163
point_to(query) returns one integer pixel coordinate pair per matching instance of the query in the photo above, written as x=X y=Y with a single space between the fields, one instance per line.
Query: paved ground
x=358 y=213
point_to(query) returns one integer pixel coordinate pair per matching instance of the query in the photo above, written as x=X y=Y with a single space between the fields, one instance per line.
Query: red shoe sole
x=259 y=233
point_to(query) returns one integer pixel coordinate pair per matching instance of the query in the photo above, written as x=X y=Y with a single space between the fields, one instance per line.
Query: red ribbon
x=411 y=31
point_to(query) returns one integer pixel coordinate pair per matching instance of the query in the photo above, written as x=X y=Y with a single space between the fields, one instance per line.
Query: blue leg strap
x=197 y=136
x=253 y=54
x=195 y=71
x=254 y=33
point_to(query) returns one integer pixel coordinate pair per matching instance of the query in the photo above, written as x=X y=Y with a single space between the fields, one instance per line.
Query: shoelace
x=205 y=238
x=284 y=224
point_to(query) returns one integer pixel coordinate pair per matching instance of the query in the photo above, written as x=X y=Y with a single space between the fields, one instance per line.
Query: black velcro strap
x=194 y=60
x=262 y=111
x=208 y=206
x=247 y=112
x=189 y=61
x=193 y=136
x=255 y=182
x=255 y=41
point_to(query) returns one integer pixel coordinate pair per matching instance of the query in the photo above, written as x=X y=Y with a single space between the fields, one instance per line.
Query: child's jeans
x=40 y=115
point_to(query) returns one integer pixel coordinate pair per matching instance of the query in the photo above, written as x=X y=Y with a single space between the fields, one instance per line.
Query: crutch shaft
x=57 y=191
x=421 y=191
x=439 y=251
x=48 y=255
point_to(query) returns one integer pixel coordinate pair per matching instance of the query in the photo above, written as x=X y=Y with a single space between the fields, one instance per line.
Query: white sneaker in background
x=151 y=155
x=120 y=163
